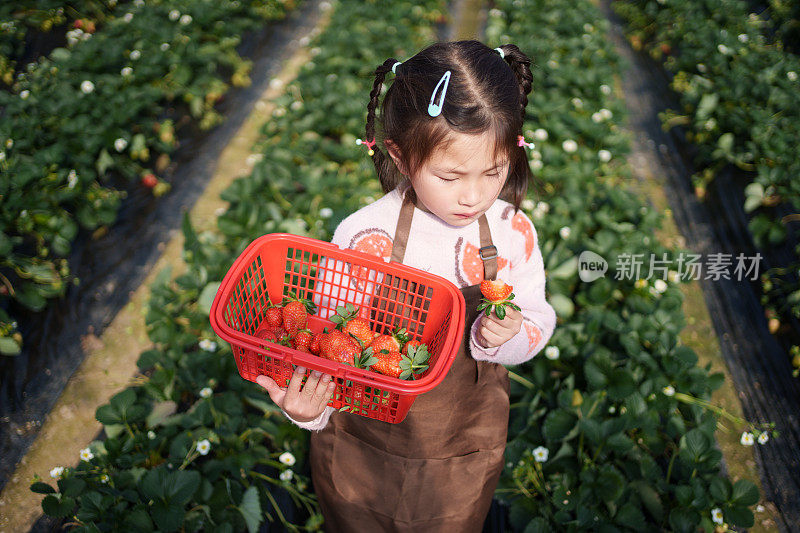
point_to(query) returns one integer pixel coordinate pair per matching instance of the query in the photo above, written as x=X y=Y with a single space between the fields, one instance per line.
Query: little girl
x=455 y=175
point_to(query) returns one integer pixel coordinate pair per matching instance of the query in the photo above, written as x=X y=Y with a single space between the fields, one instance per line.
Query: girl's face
x=462 y=182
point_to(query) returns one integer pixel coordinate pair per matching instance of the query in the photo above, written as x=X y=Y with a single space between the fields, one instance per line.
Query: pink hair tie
x=521 y=142
x=369 y=144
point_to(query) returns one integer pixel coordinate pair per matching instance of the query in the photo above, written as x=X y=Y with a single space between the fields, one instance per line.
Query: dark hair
x=486 y=93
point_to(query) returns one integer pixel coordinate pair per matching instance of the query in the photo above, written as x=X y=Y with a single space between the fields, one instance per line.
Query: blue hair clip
x=435 y=109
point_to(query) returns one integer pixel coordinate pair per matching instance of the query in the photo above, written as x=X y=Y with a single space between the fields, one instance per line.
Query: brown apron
x=436 y=470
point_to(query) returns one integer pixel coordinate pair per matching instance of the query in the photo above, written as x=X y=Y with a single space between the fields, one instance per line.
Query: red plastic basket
x=430 y=307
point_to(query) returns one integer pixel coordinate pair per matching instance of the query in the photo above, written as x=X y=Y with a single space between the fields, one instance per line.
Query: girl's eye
x=445 y=179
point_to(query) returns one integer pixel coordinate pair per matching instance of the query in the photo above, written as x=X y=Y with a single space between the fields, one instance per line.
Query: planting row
x=99 y=116
x=740 y=106
x=195 y=446
x=607 y=431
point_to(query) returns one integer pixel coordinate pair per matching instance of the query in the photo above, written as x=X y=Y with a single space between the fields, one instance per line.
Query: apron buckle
x=492 y=249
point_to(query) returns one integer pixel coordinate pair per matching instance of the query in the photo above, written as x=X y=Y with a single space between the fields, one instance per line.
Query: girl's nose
x=470 y=194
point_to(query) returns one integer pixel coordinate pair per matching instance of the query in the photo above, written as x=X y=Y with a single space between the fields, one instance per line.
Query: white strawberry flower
x=174 y=14
x=540 y=454
x=577 y=102
x=536 y=154
x=164 y=47
x=640 y=283
x=326 y=212
x=72 y=179
x=544 y=206
x=660 y=285
x=527 y=204
x=120 y=144
x=57 y=472
x=104 y=478
x=792 y=75
x=669 y=390
x=128 y=17
x=716 y=515
x=536 y=164
x=135 y=54
x=87 y=86
x=673 y=276
x=206 y=392
x=743 y=37
x=286 y=475
x=540 y=134
x=207 y=345
x=564 y=232
x=569 y=146
x=138 y=3
x=747 y=439
x=9 y=143
x=606 y=113
x=203 y=447
x=287 y=458
x=552 y=352
x=597 y=117
x=185 y=19
x=724 y=50
x=760 y=508
x=701 y=67
x=763 y=437
x=604 y=155
x=126 y=71
x=2 y=156
x=86 y=454
x=151 y=434
x=552 y=63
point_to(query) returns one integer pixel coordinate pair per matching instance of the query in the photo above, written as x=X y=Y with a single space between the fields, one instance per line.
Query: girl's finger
x=311 y=383
x=324 y=390
x=293 y=389
x=491 y=339
x=276 y=393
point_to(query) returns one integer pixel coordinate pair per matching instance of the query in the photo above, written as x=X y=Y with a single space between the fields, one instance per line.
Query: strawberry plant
x=599 y=439
x=740 y=108
x=98 y=116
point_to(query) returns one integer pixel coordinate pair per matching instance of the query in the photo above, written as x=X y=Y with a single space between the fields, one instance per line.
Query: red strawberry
x=497 y=295
x=495 y=290
x=267 y=335
x=274 y=316
x=302 y=341
x=403 y=366
x=408 y=345
x=149 y=180
x=347 y=319
x=391 y=342
x=388 y=364
x=314 y=346
x=295 y=313
x=339 y=346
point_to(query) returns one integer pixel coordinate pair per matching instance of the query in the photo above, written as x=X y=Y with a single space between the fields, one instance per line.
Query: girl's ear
x=395 y=154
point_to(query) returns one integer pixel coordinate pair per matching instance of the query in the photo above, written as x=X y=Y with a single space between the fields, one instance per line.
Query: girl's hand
x=493 y=332
x=302 y=404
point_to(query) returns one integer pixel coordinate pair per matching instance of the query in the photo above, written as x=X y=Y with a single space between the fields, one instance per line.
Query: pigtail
x=383 y=163
x=521 y=66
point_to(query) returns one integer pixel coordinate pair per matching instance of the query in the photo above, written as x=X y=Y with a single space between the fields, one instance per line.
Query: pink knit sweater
x=452 y=252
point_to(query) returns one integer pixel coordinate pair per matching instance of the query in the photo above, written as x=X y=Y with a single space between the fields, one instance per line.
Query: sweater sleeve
x=528 y=279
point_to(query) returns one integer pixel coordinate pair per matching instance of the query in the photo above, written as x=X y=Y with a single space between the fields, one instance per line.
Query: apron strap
x=487 y=251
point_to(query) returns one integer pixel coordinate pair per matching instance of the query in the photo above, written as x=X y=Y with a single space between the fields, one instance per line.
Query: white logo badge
x=591 y=266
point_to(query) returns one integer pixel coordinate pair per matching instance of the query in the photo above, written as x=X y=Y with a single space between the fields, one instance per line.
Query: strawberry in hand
x=497 y=295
